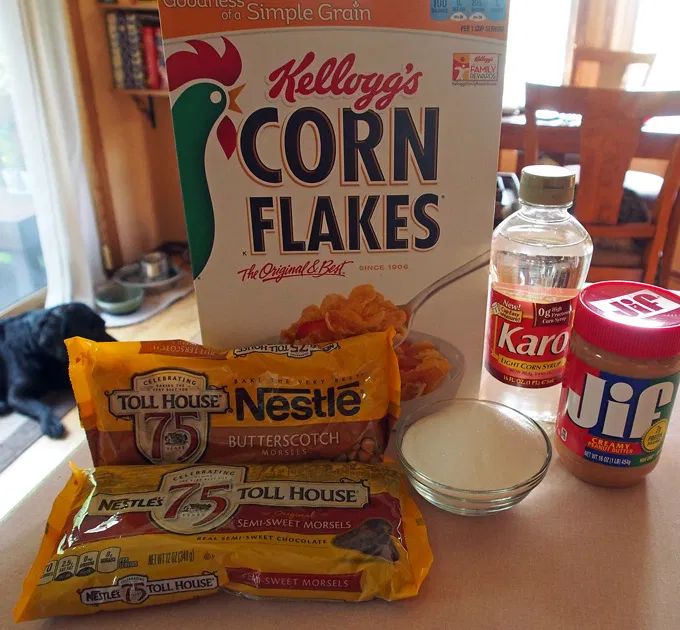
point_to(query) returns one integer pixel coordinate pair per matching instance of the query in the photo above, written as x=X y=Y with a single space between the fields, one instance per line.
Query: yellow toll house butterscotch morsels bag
x=129 y=536
x=168 y=402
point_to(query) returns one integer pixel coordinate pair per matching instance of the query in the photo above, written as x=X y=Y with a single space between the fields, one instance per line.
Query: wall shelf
x=144 y=100
x=145 y=104
x=143 y=97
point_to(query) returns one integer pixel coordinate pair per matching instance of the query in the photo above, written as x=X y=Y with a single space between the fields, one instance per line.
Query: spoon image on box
x=411 y=307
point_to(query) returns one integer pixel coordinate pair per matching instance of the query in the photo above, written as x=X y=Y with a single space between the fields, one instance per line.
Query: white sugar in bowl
x=472 y=457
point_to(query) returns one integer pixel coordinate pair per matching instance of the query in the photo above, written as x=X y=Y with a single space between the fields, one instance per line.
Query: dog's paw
x=52 y=427
x=4 y=408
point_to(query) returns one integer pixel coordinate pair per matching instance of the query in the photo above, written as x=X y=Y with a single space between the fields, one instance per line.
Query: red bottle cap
x=629 y=318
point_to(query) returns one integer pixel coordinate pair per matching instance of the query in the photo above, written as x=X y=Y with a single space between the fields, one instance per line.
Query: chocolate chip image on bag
x=171 y=402
x=373 y=537
x=123 y=537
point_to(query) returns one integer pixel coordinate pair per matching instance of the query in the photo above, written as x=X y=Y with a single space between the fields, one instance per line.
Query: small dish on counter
x=472 y=457
x=133 y=276
x=116 y=299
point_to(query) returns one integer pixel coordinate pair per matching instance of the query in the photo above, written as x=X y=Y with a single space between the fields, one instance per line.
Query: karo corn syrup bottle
x=540 y=257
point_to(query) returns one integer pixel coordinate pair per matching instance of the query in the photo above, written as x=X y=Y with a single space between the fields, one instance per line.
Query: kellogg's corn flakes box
x=337 y=162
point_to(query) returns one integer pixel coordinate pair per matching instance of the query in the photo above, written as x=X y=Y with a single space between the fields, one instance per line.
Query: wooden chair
x=611 y=123
x=597 y=67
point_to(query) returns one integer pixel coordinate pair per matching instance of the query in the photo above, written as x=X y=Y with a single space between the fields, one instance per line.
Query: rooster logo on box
x=461 y=67
x=203 y=106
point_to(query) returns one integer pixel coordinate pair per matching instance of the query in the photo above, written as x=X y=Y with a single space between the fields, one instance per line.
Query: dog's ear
x=51 y=328
x=82 y=321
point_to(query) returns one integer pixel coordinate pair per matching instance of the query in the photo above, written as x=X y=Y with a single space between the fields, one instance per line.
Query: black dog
x=33 y=359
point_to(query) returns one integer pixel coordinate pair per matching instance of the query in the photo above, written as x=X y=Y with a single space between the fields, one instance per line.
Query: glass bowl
x=474 y=501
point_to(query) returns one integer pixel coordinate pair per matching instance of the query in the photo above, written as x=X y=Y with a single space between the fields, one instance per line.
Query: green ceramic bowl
x=116 y=299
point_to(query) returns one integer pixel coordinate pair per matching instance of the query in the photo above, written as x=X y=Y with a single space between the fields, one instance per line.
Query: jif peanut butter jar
x=620 y=382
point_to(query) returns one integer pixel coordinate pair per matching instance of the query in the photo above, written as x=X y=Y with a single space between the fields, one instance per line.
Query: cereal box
x=337 y=162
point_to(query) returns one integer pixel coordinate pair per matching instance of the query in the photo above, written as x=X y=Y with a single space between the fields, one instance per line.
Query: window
x=22 y=269
x=656 y=31
x=45 y=201
x=538 y=41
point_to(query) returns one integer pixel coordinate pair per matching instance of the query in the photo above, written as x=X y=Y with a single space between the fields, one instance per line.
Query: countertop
x=570 y=556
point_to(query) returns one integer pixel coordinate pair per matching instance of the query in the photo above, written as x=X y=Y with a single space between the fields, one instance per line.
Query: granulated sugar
x=474 y=447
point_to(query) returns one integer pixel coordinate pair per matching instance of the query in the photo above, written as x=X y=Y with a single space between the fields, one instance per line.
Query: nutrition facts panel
x=476 y=10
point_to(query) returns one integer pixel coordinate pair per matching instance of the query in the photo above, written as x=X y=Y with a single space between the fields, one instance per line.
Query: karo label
x=170 y=410
x=475 y=68
x=527 y=342
x=203 y=498
x=611 y=419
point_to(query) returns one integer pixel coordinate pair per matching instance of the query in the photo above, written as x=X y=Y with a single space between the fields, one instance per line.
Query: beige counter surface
x=570 y=556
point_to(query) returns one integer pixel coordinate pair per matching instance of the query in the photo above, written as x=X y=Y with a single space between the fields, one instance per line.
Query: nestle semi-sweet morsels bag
x=336 y=160
x=175 y=402
x=129 y=536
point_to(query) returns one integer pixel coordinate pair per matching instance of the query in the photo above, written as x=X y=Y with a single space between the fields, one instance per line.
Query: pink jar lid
x=629 y=318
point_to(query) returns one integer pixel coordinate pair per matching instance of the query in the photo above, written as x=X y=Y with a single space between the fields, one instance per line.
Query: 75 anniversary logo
x=203 y=498
x=170 y=410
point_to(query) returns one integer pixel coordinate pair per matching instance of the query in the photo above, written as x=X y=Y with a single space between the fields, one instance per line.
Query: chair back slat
x=598 y=67
x=609 y=135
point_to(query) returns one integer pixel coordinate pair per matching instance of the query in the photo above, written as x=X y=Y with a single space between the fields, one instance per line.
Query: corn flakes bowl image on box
x=422 y=361
x=426 y=363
